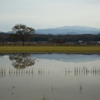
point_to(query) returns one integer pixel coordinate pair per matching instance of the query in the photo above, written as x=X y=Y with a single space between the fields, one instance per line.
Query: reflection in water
x=21 y=60
x=19 y=72
x=1 y=55
x=80 y=88
x=85 y=71
x=40 y=71
x=2 y=72
x=45 y=98
x=48 y=79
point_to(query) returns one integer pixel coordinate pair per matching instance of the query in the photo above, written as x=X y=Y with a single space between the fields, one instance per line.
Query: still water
x=49 y=77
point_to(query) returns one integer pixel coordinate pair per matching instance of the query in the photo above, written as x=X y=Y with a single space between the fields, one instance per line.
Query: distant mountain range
x=1 y=32
x=67 y=30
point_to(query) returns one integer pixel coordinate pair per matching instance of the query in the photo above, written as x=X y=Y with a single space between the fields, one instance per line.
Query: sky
x=42 y=14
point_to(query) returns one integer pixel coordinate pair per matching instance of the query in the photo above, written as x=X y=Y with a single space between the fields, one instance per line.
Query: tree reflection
x=21 y=60
x=1 y=54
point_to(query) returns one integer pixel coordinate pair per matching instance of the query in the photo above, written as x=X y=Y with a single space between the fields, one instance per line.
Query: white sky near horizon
x=41 y=14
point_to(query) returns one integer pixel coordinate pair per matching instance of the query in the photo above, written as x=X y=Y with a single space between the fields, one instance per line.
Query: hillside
x=65 y=30
x=69 y=30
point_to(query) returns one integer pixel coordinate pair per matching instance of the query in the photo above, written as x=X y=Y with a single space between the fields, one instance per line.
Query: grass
x=49 y=49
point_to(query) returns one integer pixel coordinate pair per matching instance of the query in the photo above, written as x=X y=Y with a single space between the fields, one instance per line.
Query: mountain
x=10 y=32
x=1 y=32
x=69 y=30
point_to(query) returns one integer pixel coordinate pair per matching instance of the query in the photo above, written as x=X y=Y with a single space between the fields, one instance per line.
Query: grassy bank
x=49 y=49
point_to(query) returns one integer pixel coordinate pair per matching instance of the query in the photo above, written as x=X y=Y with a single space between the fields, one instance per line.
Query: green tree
x=23 y=32
x=2 y=39
x=13 y=37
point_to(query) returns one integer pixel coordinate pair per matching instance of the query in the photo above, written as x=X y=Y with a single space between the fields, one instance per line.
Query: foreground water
x=49 y=77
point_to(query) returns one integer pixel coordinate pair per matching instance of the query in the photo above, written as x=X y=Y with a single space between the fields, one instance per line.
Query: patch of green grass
x=49 y=49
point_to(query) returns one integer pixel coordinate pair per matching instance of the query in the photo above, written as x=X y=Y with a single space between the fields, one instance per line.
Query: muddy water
x=49 y=77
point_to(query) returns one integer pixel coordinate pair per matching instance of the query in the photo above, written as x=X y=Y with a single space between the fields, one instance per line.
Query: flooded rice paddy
x=49 y=77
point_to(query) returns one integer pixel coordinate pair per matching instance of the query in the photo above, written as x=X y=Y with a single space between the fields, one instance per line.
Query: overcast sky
x=49 y=13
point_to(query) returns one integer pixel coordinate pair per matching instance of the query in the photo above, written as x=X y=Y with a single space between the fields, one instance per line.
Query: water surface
x=49 y=77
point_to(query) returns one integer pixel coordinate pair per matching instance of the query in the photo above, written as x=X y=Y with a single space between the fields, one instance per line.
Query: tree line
x=23 y=33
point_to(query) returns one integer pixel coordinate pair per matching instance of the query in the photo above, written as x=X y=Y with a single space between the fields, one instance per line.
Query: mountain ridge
x=69 y=30
x=65 y=30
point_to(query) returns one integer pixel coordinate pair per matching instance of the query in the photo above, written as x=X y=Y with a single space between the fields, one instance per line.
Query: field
x=49 y=49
